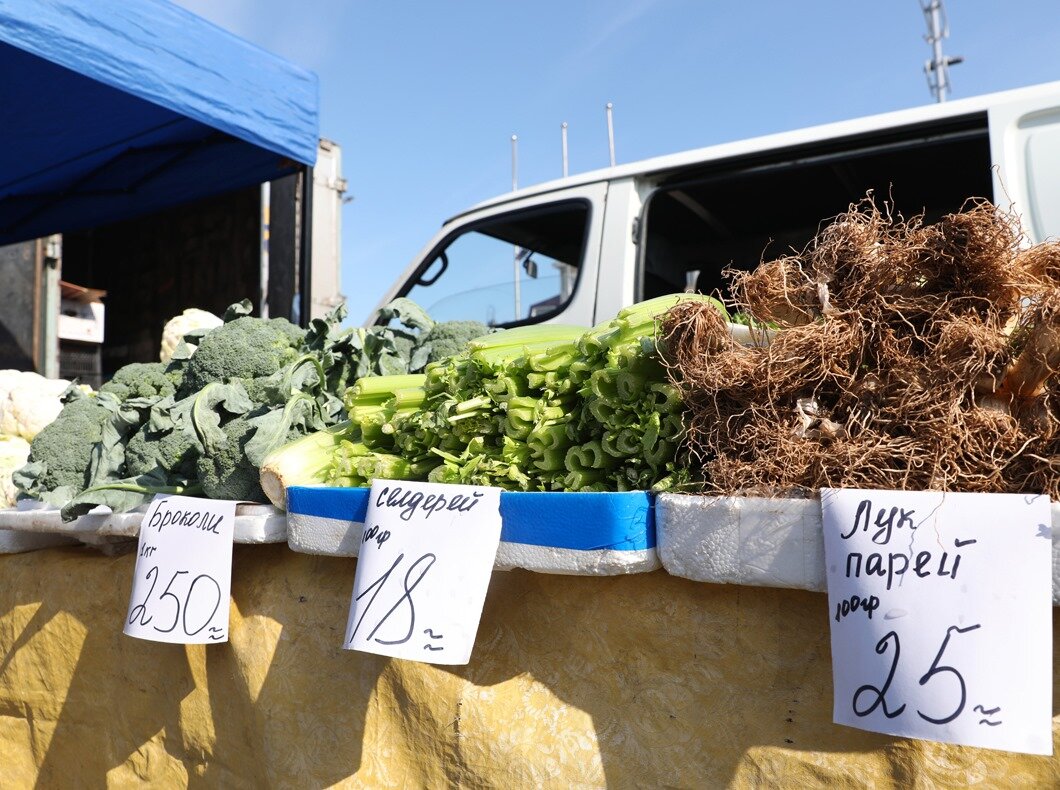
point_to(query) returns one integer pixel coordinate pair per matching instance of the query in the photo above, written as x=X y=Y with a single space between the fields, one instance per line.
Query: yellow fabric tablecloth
x=639 y=681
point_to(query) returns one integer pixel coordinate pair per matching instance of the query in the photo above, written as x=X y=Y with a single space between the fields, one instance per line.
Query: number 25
x=878 y=694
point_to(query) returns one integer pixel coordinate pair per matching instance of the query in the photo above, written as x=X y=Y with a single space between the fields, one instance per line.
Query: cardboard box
x=80 y=313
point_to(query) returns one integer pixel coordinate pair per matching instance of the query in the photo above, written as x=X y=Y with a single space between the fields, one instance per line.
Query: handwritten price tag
x=425 y=561
x=941 y=616
x=183 y=571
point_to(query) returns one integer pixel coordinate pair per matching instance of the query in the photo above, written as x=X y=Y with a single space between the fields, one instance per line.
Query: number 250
x=139 y=612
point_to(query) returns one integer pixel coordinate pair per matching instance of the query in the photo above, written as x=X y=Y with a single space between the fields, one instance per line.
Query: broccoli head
x=61 y=452
x=225 y=473
x=261 y=389
x=142 y=380
x=449 y=338
x=246 y=348
x=174 y=451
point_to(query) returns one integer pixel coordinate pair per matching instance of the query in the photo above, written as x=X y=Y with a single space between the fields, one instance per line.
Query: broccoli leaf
x=185 y=348
x=161 y=418
x=107 y=459
x=28 y=479
x=238 y=310
x=72 y=393
x=390 y=365
x=108 y=456
x=59 y=496
x=305 y=374
x=322 y=331
x=273 y=428
x=331 y=407
x=407 y=312
x=127 y=494
x=203 y=412
x=194 y=337
x=420 y=356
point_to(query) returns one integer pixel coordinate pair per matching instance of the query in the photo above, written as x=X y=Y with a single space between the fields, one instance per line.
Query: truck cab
x=577 y=250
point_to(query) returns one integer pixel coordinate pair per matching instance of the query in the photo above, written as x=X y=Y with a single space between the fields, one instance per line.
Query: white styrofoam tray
x=578 y=534
x=254 y=523
x=756 y=541
x=14 y=542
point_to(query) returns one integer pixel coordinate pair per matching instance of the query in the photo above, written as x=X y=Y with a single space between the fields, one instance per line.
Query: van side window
x=745 y=211
x=517 y=268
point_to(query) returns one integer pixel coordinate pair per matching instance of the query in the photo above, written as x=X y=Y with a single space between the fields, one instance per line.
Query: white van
x=579 y=249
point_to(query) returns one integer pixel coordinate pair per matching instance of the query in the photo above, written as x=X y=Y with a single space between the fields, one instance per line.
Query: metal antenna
x=611 y=132
x=517 y=295
x=563 y=137
x=515 y=162
x=937 y=69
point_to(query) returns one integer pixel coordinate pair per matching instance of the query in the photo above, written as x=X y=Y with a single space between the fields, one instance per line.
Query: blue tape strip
x=341 y=504
x=582 y=521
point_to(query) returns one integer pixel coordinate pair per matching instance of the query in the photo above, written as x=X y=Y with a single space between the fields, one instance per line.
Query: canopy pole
x=52 y=261
x=263 y=268
x=305 y=249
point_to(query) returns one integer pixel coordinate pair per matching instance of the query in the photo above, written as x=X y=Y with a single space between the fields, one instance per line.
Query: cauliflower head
x=14 y=451
x=28 y=402
x=178 y=326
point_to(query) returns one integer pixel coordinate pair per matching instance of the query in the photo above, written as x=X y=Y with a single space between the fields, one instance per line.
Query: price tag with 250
x=183 y=571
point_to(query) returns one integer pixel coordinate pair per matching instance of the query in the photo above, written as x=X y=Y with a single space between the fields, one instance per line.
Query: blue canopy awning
x=115 y=108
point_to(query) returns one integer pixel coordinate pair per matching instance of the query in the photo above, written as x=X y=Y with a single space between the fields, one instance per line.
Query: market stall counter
x=627 y=676
x=636 y=680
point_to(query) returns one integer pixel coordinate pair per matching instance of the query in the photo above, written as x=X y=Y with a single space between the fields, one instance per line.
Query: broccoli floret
x=142 y=380
x=449 y=338
x=226 y=473
x=258 y=389
x=246 y=348
x=174 y=451
x=63 y=448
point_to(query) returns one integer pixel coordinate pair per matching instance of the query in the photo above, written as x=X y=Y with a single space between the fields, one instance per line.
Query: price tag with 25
x=424 y=564
x=940 y=608
x=183 y=571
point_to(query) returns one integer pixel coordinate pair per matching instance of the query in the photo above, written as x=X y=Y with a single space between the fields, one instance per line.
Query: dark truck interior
x=743 y=211
x=204 y=254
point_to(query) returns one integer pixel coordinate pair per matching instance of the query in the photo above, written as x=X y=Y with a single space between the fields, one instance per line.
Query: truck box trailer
x=247 y=243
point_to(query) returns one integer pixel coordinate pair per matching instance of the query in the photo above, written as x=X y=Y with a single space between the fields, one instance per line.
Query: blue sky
x=424 y=96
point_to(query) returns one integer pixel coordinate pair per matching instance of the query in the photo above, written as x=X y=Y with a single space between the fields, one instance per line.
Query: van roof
x=752 y=145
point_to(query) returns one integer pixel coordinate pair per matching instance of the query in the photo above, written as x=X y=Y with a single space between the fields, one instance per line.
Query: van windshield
x=517 y=268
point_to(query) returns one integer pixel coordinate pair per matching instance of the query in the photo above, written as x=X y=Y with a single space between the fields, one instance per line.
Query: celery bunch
x=500 y=411
x=629 y=426
x=537 y=408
